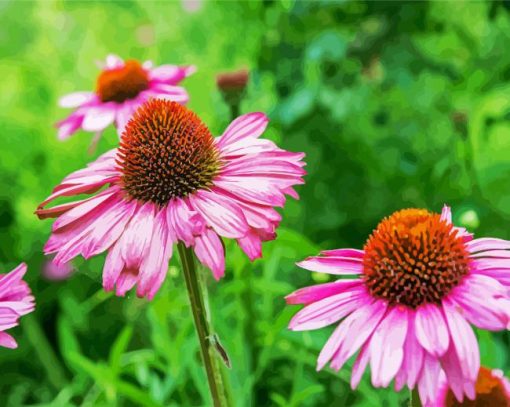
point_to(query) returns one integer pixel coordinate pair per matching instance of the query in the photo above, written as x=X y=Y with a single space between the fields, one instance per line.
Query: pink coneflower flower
x=15 y=300
x=420 y=283
x=121 y=87
x=492 y=389
x=172 y=181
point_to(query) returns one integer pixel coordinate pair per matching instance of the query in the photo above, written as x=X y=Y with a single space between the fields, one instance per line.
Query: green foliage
x=396 y=105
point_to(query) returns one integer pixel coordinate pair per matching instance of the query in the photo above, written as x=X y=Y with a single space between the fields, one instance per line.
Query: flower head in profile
x=492 y=389
x=419 y=285
x=121 y=87
x=15 y=300
x=171 y=181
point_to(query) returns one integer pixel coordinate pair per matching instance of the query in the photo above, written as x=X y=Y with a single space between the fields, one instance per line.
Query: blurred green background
x=395 y=104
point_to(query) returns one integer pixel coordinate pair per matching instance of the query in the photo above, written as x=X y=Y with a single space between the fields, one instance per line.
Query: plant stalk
x=204 y=332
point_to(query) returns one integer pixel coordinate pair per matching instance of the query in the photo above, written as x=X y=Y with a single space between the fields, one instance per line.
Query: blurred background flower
x=57 y=272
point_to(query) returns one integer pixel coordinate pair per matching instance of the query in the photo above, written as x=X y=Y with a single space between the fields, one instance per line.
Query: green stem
x=415 y=399
x=234 y=110
x=54 y=370
x=204 y=332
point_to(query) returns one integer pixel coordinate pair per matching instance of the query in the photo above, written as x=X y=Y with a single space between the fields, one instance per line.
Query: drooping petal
x=7 y=341
x=360 y=364
x=221 y=214
x=464 y=341
x=11 y=278
x=342 y=344
x=413 y=357
x=428 y=383
x=184 y=222
x=209 y=250
x=328 y=310
x=431 y=329
x=386 y=346
x=155 y=264
x=98 y=118
x=251 y=244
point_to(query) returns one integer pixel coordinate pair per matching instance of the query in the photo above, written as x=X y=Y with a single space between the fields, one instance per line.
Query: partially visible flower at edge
x=16 y=300
x=171 y=181
x=122 y=86
x=420 y=283
x=492 y=389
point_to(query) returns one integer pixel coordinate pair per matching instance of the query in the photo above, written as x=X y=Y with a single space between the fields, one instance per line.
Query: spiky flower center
x=413 y=257
x=122 y=83
x=166 y=152
x=490 y=392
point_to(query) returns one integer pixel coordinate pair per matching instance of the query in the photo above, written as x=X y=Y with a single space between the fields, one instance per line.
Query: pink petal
x=251 y=244
x=252 y=189
x=428 y=383
x=220 y=213
x=7 y=341
x=413 y=357
x=248 y=125
x=464 y=341
x=476 y=297
x=209 y=250
x=386 y=346
x=352 y=253
x=328 y=310
x=171 y=74
x=167 y=92
x=98 y=118
x=487 y=243
x=8 y=318
x=137 y=237
x=318 y=292
x=351 y=333
x=332 y=265
x=113 y=266
x=154 y=266
x=431 y=329
x=114 y=61
x=184 y=222
x=453 y=370
x=125 y=282
x=76 y=99
x=360 y=364
x=11 y=278
x=446 y=214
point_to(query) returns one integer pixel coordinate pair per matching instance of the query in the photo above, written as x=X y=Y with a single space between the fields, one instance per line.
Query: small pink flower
x=421 y=283
x=15 y=300
x=492 y=389
x=121 y=87
x=172 y=181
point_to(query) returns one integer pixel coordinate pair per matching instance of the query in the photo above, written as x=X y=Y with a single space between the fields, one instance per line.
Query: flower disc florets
x=414 y=257
x=166 y=152
x=122 y=83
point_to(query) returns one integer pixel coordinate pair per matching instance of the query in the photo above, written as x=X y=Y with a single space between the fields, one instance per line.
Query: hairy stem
x=204 y=332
